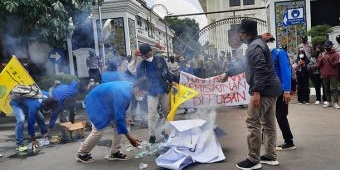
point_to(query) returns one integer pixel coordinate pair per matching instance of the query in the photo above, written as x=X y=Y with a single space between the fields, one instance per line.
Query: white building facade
x=288 y=34
x=126 y=25
x=218 y=37
x=272 y=12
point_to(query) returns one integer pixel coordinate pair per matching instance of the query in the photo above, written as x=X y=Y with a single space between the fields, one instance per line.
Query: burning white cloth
x=190 y=141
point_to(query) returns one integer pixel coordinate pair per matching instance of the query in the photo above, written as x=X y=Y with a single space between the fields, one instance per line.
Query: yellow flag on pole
x=178 y=95
x=13 y=74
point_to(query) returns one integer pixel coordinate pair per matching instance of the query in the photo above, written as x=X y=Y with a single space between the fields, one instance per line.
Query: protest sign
x=213 y=93
x=13 y=74
x=178 y=95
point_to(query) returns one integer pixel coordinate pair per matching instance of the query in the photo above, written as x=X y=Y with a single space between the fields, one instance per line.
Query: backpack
x=25 y=91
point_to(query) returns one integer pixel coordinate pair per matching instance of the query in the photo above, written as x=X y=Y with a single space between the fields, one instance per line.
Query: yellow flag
x=13 y=74
x=178 y=95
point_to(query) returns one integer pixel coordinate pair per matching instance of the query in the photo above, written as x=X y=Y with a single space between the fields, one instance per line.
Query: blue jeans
x=40 y=119
x=19 y=127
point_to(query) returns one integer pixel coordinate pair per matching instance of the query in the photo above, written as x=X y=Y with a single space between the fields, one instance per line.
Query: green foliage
x=186 y=35
x=48 y=81
x=319 y=33
x=46 y=21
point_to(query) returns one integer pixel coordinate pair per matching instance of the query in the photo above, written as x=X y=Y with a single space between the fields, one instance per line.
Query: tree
x=44 y=21
x=319 y=34
x=186 y=35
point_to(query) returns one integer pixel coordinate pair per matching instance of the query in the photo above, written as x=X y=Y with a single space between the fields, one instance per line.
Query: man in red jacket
x=328 y=64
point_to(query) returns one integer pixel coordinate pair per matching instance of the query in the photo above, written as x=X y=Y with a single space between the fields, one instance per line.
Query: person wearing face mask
x=302 y=77
x=306 y=46
x=315 y=76
x=284 y=71
x=264 y=88
x=108 y=103
x=173 y=65
x=328 y=62
x=155 y=69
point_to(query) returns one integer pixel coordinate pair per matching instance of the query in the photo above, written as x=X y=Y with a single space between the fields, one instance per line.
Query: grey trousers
x=92 y=140
x=154 y=121
x=263 y=116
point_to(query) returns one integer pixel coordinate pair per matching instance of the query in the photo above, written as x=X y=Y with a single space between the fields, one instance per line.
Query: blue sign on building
x=295 y=16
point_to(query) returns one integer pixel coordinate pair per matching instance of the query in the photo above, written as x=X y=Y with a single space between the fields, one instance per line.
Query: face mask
x=301 y=55
x=149 y=59
x=271 y=46
x=139 y=98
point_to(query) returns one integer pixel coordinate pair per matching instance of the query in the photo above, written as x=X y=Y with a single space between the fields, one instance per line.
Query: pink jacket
x=328 y=64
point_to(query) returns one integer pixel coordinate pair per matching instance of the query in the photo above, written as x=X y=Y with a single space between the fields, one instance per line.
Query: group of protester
x=321 y=66
x=148 y=78
x=271 y=74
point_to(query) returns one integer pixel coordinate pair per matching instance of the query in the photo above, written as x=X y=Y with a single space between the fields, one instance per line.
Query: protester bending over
x=108 y=103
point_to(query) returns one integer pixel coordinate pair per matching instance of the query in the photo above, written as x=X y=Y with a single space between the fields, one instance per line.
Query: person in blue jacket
x=283 y=70
x=112 y=74
x=108 y=103
x=66 y=96
x=31 y=107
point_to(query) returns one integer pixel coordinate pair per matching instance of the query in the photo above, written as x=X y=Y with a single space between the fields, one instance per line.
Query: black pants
x=317 y=82
x=95 y=74
x=303 y=86
x=281 y=117
x=70 y=104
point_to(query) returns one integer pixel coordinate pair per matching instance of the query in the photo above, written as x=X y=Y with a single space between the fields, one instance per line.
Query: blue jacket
x=157 y=72
x=108 y=102
x=282 y=68
x=109 y=76
x=31 y=106
x=61 y=93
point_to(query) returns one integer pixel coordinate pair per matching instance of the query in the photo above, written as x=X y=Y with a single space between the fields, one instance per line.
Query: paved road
x=316 y=132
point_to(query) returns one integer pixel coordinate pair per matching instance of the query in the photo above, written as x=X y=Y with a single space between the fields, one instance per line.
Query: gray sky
x=181 y=7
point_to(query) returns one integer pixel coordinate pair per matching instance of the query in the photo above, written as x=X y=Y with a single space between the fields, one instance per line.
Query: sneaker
x=117 y=156
x=307 y=103
x=21 y=148
x=317 y=102
x=265 y=160
x=248 y=165
x=86 y=158
x=325 y=104
x=152 y=139
x=44 y=142
x=285 y=147
x=336 y=106
x=299 y=103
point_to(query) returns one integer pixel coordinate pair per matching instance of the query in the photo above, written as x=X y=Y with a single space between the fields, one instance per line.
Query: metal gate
x=222 y=36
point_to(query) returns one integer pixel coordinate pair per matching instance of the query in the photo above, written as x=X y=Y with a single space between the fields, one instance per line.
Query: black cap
x=248 y=26
x=144 y=48
x=328 y=44
x=304 y=37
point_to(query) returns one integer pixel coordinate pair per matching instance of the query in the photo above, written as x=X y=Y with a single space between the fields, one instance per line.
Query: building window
x=248 y=2
x=234 y=3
